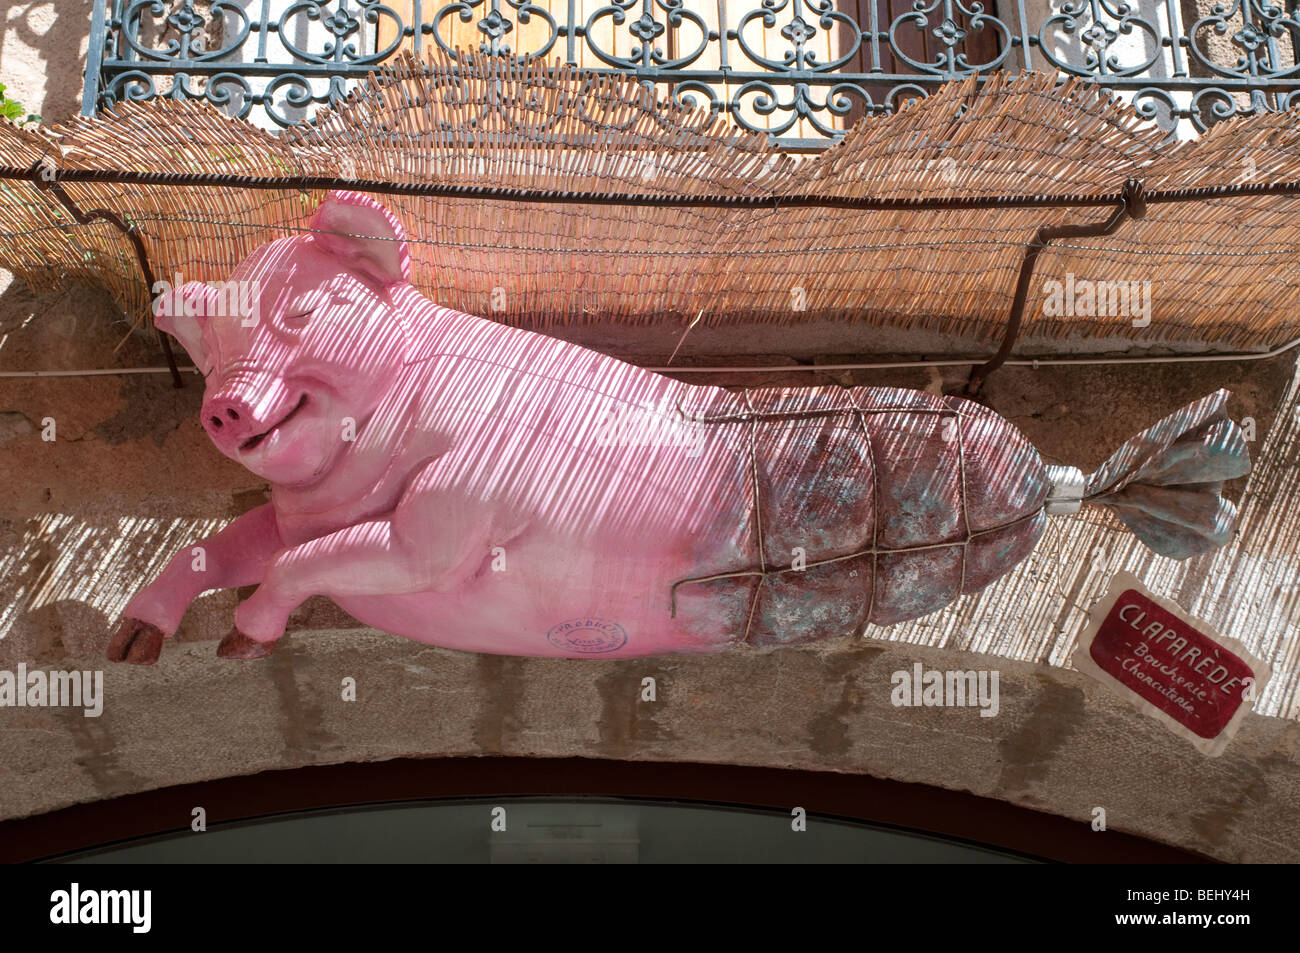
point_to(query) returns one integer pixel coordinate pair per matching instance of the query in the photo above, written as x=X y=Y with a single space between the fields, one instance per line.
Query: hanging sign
x=1170 y=665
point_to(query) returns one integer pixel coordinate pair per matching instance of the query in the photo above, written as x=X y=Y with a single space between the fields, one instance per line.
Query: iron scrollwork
x=798 y=70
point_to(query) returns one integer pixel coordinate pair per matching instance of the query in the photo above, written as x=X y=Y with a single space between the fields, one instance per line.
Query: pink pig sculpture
x=462 y=483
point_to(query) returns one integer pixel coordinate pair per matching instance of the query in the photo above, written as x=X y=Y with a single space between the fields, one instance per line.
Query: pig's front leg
x=376 y=558
x=236 y=556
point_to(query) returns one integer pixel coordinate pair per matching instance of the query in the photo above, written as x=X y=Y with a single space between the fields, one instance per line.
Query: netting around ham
x=870 y=505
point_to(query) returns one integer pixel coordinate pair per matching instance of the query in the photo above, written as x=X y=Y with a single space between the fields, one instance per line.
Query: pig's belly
x=540 y=611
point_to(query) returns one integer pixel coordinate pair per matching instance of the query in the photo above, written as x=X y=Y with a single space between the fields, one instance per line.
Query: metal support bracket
x=1132 y=205
x=45 y=176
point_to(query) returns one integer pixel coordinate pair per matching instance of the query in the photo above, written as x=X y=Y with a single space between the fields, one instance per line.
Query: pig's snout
x=229 y=419
x=237 y=417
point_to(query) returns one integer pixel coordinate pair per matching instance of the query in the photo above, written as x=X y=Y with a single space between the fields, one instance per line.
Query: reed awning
x=554 y=197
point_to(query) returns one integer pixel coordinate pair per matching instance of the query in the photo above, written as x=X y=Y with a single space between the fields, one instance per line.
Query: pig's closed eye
x=297 y=320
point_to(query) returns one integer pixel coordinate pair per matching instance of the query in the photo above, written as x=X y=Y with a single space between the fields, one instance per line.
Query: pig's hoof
x=238 y=645
x=136 y=642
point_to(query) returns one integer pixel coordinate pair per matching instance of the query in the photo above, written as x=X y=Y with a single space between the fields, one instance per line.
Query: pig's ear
x=181 y=312
x=364 y=234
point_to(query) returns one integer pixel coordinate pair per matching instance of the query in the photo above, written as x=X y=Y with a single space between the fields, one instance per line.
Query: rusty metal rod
x=1133 y=204
x=551 y=196
x=46 y=177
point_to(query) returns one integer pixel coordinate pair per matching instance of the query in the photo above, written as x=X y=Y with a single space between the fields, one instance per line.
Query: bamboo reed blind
x=1221 y=272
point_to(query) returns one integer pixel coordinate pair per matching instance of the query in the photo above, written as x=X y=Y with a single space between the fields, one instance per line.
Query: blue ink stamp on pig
x=588 y=636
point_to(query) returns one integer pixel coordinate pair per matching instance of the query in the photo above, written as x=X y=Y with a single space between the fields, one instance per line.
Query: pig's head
x=301 y=344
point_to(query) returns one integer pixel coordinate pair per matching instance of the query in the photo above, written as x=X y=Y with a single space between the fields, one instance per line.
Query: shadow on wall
x=105 y=478
x=47 y=552
x=43 y=54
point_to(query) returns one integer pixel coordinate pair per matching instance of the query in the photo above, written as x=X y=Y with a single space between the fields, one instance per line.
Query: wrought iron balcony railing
x=801 y=70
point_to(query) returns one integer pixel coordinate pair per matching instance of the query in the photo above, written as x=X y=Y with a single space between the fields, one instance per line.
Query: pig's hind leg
x=236 y=556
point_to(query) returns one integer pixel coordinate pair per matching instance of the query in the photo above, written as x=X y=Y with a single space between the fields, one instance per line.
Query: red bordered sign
x=1170 y=665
